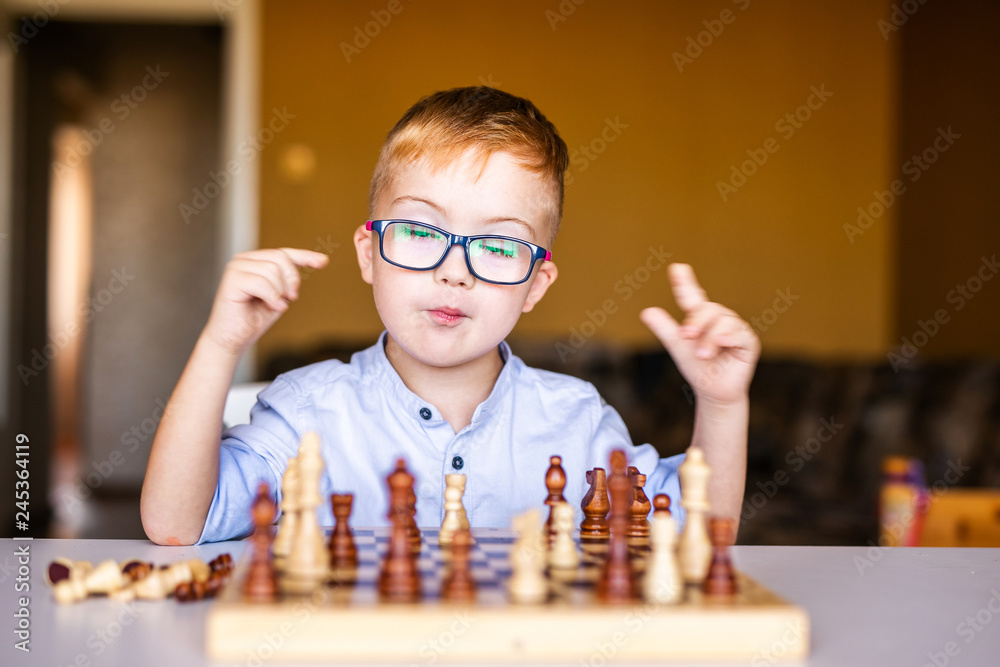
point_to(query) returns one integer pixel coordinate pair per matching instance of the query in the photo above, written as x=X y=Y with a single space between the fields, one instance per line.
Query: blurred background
x=828 y=168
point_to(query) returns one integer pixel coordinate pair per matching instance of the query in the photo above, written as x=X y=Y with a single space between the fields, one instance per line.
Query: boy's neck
x=455 y=391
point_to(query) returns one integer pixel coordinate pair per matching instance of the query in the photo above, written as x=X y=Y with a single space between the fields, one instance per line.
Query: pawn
x=595 y=506
x=721 y=580
x=663 y=582
x=458 y=584
x=454 y=512
x=661 y=505
x=343 y=552
x=562 y=553
x=555 y=482
x=261 y=584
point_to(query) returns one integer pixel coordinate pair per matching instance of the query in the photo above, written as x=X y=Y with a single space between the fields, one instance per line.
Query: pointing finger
x=687 y=291
x=662 y=324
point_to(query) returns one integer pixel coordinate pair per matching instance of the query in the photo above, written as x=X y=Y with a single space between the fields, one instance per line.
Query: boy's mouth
x=444 y=315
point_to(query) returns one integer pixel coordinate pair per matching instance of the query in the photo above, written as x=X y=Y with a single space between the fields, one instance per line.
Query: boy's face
x=446 y=316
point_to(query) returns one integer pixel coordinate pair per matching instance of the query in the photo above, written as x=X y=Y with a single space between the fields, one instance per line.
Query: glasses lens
x=412 y=245
x=501 y=260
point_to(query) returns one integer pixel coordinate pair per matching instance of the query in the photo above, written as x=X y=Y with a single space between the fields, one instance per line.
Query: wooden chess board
x=344 y=620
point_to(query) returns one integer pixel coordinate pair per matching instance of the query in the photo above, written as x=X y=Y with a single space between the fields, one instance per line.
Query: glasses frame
x=537 y=252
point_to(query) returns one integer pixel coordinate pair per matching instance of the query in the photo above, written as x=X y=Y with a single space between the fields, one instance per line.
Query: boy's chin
x=439 y=352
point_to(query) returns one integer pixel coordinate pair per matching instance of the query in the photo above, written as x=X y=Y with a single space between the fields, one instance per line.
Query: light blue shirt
x=366 y=419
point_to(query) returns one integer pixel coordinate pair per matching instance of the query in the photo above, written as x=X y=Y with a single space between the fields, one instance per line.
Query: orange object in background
x=902 y=503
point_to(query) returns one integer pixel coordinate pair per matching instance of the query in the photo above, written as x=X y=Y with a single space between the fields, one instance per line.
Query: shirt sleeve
x=661 y=474
x=250 y=454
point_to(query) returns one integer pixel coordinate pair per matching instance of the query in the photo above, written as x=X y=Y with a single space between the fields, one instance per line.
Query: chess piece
x=308 y=563
x=399 y=579
x=106 y=578
x=663 y=582
x=562 y=553
x=527 y=584
x=261 y=584
x=617 y=583
x=595 y=506
x=695 y=548
x=721 y=580
x=454 y=512
x=555 y=482
x=661 y=504
x=64 y=568
x=638 y=525
x=343 y=551
x=458 y=584
x=287 y=529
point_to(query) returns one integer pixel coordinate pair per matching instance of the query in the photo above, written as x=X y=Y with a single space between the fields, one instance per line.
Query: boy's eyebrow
x=489 y=221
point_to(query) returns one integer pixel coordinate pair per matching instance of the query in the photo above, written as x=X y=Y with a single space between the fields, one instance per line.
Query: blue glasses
x=501 y=260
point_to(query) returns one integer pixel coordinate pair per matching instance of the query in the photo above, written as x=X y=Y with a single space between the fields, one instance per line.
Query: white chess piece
x=563 y=554
x=695 y=551
x=288 y=527
x=527 y=584
x=663 y=582
x=309 y=558
x=454 y=512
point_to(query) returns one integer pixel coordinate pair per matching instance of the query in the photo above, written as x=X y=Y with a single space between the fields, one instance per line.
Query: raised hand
x=714 y=349
x=254 y=292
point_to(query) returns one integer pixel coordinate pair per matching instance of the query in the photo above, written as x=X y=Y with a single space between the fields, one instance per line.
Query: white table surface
x=885 y=607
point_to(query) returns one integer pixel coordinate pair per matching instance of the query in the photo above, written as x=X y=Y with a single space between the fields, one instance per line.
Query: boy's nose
x=453 y=270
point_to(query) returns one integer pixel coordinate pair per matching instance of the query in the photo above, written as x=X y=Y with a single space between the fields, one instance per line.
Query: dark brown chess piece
x=412 y=529
x=458 y=584
x=399 y=579
x=261 y=584
x=595 y=506
x=555 y=482
x=721 y=581
x=639 y=508
x=343 y=551
x=661 y=504
x=617 y=583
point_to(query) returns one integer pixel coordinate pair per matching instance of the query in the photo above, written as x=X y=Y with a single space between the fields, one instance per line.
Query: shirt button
x=457 y=463
x=425 y=414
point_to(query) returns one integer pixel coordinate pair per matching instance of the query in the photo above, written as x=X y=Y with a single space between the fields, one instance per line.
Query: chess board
x=345 y=620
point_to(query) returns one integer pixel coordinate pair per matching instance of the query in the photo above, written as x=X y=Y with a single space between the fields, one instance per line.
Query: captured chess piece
x=399 y=579
x=104 y=579
x=721 y=580
x=562 y=552
x=695 y=547
x=663 y=582
x=638 y=525
x=343 y=551
x=261 y=584
x=454 y=512
x=289 y=525
x=555 y=482
x=458 y=584
x=595 y=506
x=617 y=583
x=661 y=504
x=527 y=584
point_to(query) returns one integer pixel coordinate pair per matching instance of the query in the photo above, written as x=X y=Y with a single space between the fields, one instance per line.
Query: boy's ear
x=546 y=275
x=363 y=244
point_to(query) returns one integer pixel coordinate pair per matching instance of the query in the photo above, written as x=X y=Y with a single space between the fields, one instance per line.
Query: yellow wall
x=655 y=184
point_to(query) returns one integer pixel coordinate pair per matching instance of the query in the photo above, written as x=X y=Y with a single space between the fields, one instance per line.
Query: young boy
x=440 y=388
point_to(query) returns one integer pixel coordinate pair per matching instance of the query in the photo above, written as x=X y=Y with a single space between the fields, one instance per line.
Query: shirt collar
x=411 y=404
